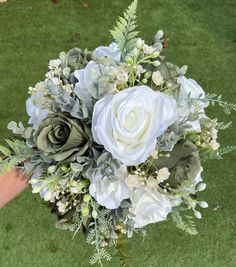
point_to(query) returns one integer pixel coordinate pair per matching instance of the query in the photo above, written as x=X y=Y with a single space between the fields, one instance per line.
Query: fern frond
x=13 y=145
x=213 y=99
x=16 y=154
x=223 y=125
x=226 y=150
x=5 y=166
x=124 y=32
x=90 y=236
x=18 y=159
x=19 y=147
x=5 y=151
x=100 y=255
x=184 y=223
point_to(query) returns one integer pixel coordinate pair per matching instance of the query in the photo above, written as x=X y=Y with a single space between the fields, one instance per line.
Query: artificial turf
x=34 y=31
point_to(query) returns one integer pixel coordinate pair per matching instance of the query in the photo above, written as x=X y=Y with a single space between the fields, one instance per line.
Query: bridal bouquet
x=116 y=138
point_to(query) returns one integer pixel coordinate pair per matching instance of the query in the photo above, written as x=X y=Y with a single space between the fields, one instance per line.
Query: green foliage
x=223 y=125
x=183 y=222
x=226 y=150
x=5 y=151
x=207 y=153
x=97 y=236
x=124 y=32
x=91 y=236
x=16 y=129
x=15 y=154
x=100 y=255
x=5 y=166
x=213 y=99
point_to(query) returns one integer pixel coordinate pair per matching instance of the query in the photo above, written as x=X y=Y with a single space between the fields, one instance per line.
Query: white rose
x=112 y=51
x=110 y=191
x=149 y=206
x=190 y=87
x=128 y=123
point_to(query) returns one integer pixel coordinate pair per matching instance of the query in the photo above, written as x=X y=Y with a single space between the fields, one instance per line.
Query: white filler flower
x=128 y=123
x=149 y=206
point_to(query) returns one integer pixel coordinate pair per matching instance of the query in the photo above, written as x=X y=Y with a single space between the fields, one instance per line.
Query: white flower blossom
x=128 y=123
x=139 y=43
x=163 y=174
x=54 y=63
x=152 y=182
x=119 y=74
x=149 y=206
x=133 y=180
x=109 y=191
x=112 y=51
x=138 y=69
x=214 y=133
x=214 y=144
x=157 y=78
x=148 y=49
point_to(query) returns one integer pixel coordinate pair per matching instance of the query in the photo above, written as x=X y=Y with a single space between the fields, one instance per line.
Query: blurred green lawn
x=34 y=31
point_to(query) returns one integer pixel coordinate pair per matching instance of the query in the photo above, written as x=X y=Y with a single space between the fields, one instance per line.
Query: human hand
x=12 y=184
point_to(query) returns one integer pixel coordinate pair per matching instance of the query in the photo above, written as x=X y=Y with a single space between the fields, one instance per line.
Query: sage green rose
x=62 y=138
x=183 y=164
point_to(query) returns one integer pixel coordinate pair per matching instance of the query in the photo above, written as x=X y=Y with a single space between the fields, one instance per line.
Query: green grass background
x=34 y=31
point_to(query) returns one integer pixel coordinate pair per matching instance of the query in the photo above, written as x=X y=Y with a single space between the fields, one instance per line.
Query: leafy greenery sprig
x=95 y=237
x=183 y=221
x=124 y=32
x=213 y=99
x=15 y=154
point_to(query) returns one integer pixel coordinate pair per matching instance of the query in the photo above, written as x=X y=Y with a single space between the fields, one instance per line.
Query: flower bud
x=203 y=204
x=144 y=81
x=160 y=34
x=147 y=74
x=155 y=54
x=156 y=63
x=201 y=187
x=87 y=198
x=197 y=214
x=94 y=214
x=36 y=189
x=82 y=184
x=64 y=168
x=135 y=51
x=85 y=211
x=51 y=169
x=139 y=43
x=130 y=60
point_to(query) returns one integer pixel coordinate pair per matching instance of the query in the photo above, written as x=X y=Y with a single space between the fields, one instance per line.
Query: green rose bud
x=62 y=137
